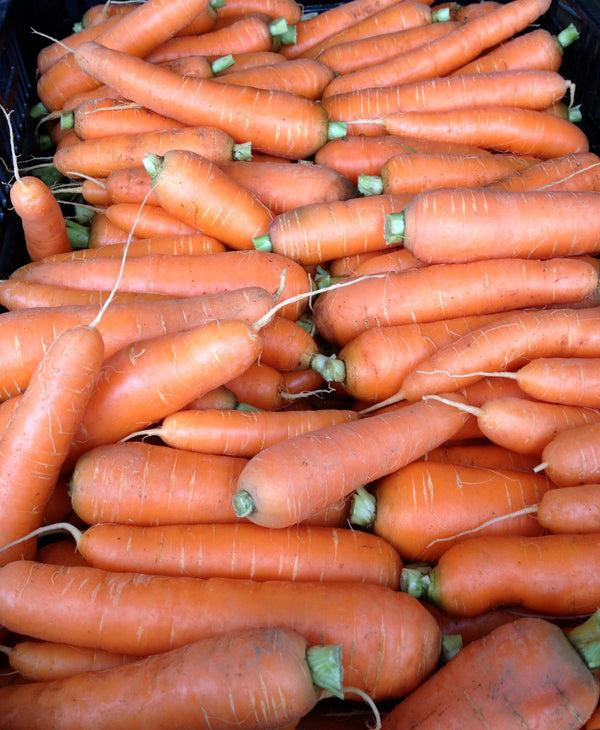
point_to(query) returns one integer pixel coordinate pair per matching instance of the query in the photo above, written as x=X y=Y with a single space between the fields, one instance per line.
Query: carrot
x=314 y=29
x=248 y=115
x=242 y=61
x=26 y=335
x=98 y=13
x=468 y=11
x=219 y=398
x=318 y=232
x=570 y=509
x=399 y=259
x=579 y=171
x=323 y=613
x=103 y=232
x=306 y=383
x=359 y=154
x=396 y=17
x=454 y=290
x=200 y=66
x=501 y=128
x=260 y=386
x=184 y=276
x=536 y=48
x=572 y=456
x=287 y=345
x=290 y=10
x=506 y=345
x=99 y=157
x=416 y=173
x=202 y=22
x=59 y=552
x=269 y=497
x=201 y=195
x=136 y=33
x=485 y=455
x=147 y=221
x=343 y=57
x=241 y=433
x=404 y=511
x=280 y=661
x=522 y=673
x=451 y=51
x=552 y=574
x=571 y=381
x=44 y=661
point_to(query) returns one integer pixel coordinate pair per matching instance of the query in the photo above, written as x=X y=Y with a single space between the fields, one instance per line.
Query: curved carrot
x=551 y=574
x=242 y=61
x=565 y=223
x=503 y=679
x=197 y=192
x=203 y=674
x=454 y=290
x=249 y=115
x=572 y=457
x=242 y=433
x=281 y=486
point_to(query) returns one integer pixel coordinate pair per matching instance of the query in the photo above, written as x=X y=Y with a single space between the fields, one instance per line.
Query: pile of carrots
x=299 y=389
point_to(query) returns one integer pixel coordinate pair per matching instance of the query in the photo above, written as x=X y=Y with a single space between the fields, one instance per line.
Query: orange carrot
x=103 y=232
x=520 y=232
x=280 y=662
x=579 y=171
x=485 y=455
x=147 y=221
x=249 y=115
x=99 y=13
x=241 y=433
x=288 y=9
x=571 y=457
x=570 y=381
x=201 y=195
x=573 y=509
x=399 y=259
x=242 y=61
x=279 y=486
x=260 y=386
x=115 y=618
x=60 y=552
x=454 y=290
x=287 y=345
x=504 y=678
x=404 y=511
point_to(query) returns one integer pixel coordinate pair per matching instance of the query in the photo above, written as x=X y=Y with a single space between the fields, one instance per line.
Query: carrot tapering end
x=363 y=507
x=393 y=228
x=326 y=670
x=243 y=504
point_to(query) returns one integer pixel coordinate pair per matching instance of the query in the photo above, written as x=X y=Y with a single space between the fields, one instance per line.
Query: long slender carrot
x=280 y=487
x=454 y=290
x=201 y=195
x=405 y=512
x=199 y=675
x=451 y=51
x=321 y=612
x=524 y=672
x=253 y=115
x=437 y=218
x=572 y=456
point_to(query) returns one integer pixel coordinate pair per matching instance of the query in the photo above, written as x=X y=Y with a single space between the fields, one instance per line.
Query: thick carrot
x=183 y=276
x=572 y=457
x=318 y=232
x=26 y=335
x=570 y=509
x=136 y=33
x=200 y=194
x=248 y=115
x=280 y=486
x=501 y=128
x=35 y=443
x=116 y=619
x=242 y=433
x=44 y=661
x=287 y=345
x=196 y=683
x=260 y=386
x=242 y=550
x=99 y=157
x=579 y=171
x=530 y=224
x=551 y=574
x=506 y=345
x=451 y=51
x=523 y=673
x=454 y=290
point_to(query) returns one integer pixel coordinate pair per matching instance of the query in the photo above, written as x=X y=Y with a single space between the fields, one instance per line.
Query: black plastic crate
x=19 y=46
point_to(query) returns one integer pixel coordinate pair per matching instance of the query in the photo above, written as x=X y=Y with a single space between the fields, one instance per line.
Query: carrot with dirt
x=523 y=673
x=451 y=51
x=324 y=613
x=248 y=115
x=280 y=487
x=454 y=290
x=421 y=523
x=199 y=193
x=443 y=225
x=199 y=675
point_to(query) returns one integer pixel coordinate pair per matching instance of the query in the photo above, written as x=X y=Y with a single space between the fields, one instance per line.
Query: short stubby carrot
x=571 y=381
x=573 y=456
x=573 y=509
x=116 y=617
x=444 y=225
x=454 y=290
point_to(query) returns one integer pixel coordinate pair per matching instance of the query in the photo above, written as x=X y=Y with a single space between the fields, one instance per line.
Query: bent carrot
x=116 y=620
x=203 y=672
x=504 y=679
x=242 y=433
x=247 y=114
x=197 y=192
x=279 y=486
x=436 y=227
x=455 y=290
